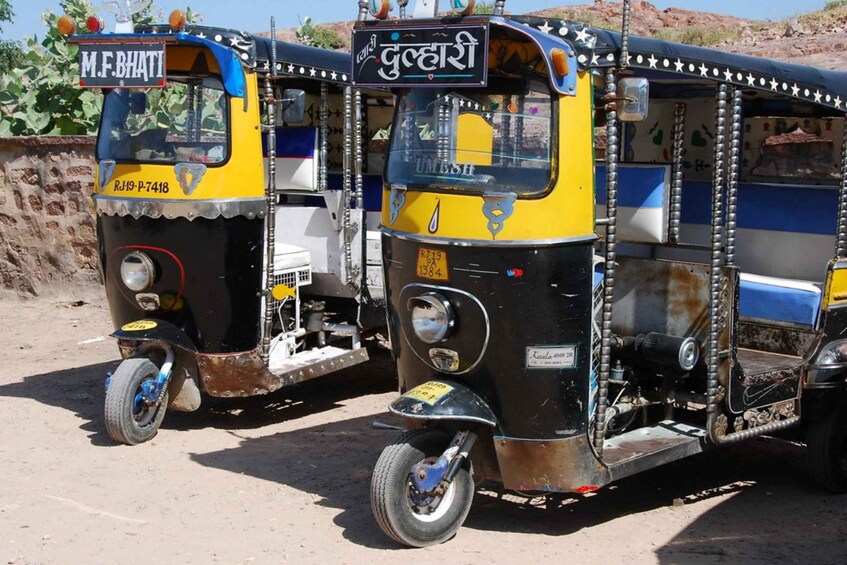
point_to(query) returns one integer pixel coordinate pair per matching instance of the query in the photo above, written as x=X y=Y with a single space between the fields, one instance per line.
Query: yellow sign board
x=139 y=326
x=432 y=264
x=429 y=392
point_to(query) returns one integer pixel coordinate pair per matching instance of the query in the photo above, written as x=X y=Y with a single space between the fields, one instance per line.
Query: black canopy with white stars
x=597 y=47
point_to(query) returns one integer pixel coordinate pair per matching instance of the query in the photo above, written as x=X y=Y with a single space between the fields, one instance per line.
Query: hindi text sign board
x=430 y=56
x=122 y=65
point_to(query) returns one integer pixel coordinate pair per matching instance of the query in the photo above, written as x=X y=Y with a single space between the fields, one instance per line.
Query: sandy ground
x=284 y=478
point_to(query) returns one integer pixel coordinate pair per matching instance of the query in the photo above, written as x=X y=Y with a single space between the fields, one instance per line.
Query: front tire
x=403 y=513
x=826 y=448
x=128 y=419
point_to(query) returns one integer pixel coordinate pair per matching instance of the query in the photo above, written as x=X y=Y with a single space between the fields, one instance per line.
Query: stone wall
x=47 y=234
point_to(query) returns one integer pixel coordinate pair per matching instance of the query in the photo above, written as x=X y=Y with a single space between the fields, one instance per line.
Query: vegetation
x=11 y=53
x=318 y=36
x=483 y=7
x=41 y=93
x=833 y=14
x=586 y=17
x=701 y=36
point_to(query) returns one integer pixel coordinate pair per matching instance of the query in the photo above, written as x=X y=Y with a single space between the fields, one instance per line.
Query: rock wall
x=47 y=234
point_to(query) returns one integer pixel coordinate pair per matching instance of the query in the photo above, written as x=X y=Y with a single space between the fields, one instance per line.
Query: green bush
x=315 y=36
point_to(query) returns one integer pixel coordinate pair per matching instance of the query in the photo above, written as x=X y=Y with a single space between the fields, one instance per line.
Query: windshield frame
x=477 y=190
x=180 y=77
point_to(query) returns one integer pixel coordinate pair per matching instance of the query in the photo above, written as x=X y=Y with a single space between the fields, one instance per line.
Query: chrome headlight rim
x=138 y=273
x=438 y=324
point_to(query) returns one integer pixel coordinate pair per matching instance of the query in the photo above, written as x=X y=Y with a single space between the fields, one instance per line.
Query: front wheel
x=407 y=515
x=826 y=449
x=129 y=419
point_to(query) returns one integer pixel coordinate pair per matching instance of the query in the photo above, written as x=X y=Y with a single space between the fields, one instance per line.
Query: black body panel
x=208 y=276
x=538 y=296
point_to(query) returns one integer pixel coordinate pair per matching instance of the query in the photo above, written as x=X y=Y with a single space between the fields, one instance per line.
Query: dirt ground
x=285 y=478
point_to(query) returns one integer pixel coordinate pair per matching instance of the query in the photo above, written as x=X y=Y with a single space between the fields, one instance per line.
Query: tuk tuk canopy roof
x=254 y=51
x=598 y=48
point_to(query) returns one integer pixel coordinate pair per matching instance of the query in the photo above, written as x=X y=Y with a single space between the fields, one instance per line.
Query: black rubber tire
x=390 y=503
x=122 y=424
x=826 y=449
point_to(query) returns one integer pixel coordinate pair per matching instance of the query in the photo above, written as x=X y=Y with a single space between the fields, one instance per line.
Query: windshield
x=185 y=121
x=477 y=140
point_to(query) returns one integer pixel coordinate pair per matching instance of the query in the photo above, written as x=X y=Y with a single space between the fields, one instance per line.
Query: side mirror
x=138 y=103
x=634 y=97
x=293 y=105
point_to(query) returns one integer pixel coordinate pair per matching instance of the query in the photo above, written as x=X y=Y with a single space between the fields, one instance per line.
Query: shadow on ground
x=81 y=391
x=766 y=477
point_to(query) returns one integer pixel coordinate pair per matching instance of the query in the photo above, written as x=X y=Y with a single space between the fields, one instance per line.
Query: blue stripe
x=770 y=302
x=371 y=191
x=638 y=187
x=292 y=142
x=771 y=207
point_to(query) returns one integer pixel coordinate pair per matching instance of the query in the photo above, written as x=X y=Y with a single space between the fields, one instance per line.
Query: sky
x=254 y=15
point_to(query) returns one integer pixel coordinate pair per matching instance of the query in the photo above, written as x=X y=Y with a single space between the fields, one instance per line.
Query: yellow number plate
x=139 y=326
x=429 y=392
x=432 y=264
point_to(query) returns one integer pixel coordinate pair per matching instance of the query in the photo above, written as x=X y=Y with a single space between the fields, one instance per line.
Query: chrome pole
x=323 y=166
x=677 y=154
x=624 y=62
x=713 y=358
x=841 y=239
x=611 y=257
x=347 y=188
x=357 y=148
x=734 y=174
x=270 y=197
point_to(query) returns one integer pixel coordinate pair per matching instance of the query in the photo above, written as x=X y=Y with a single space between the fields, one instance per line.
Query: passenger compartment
x=784 y=238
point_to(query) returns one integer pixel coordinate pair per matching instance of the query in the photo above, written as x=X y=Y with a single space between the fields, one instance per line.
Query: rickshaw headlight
x=432 y=317
x=834 y=353
x=138 y=271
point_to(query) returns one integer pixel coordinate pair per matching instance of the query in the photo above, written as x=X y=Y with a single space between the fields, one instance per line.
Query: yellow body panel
x=836 y=288
x=565 y=212
x=474 y=140
x=241 y=176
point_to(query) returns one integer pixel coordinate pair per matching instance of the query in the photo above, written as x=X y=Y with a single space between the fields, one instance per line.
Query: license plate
x=429 y=392
x=122 y=65
x=432 y=264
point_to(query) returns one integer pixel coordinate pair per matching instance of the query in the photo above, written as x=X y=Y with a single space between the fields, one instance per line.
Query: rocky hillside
x=817 y=38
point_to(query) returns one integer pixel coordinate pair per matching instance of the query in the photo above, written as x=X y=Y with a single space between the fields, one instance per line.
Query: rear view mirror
x=293 y=105
x=138 y=103
x=634 y=97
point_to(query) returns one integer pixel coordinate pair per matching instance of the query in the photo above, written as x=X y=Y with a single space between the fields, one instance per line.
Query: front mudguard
x=184 y=386
x=444 y=400
x=155 y=330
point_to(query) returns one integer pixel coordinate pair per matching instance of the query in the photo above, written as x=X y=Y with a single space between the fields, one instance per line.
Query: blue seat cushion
x=779 y=300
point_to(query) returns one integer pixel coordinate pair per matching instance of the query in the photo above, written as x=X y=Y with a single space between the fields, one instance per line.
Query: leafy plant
x=41 y=94
x=11 y=53
x=834 y=4
x=318 y=36
x=484 y=7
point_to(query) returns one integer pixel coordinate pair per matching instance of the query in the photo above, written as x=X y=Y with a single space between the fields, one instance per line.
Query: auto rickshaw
x=231 y=199
x=560 y=322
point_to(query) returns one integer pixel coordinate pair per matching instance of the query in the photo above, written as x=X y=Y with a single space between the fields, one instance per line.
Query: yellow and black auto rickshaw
x=232 y=200
x=613 y=252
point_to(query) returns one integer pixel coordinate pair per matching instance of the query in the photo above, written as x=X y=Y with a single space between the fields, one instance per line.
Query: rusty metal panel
x=564 y=465
x=653 y=295
x=244 y=374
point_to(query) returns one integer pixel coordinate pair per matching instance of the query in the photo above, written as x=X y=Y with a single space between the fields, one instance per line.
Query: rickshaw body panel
x=443 y=400
x=149 y=329
x=531 y=402
x=210 y=276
